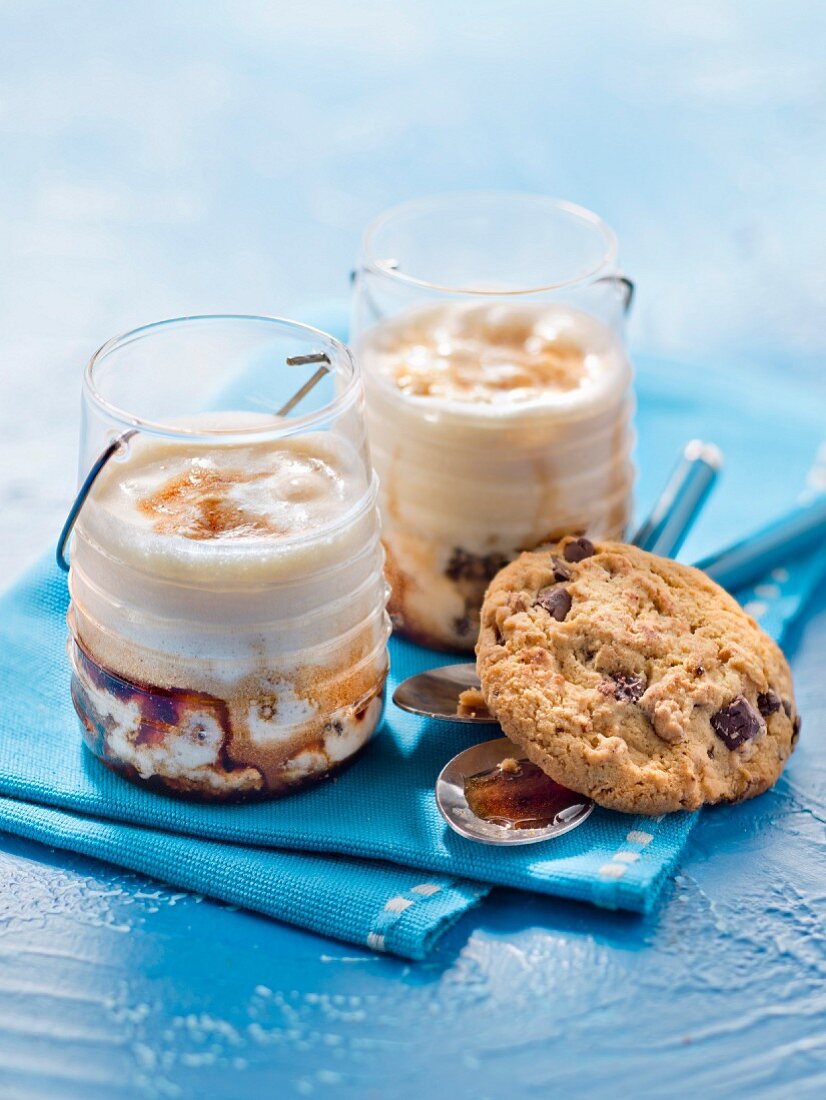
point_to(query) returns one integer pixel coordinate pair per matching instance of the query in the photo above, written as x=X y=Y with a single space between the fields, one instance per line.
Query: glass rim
x=169 y=430
x=580 y=213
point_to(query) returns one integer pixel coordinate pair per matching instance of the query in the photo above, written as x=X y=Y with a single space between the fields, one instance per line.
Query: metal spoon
x=435 y=694
x=782 y=540
x=453 y=805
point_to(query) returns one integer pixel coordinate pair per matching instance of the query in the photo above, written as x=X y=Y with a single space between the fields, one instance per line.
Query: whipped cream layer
x=207 y=511
x=493 y=427
x=496 y=359
x=244 y=580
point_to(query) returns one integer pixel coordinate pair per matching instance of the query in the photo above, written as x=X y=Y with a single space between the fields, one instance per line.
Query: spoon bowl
x=451 y=798
x=435 y=694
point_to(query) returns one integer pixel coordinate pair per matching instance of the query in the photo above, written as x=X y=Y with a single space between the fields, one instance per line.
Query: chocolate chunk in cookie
x=556 y=601
x=737 y=723
x=768 y=703
x=578 y=550
x=624 y=687
x=561 y=571
x=796 y=724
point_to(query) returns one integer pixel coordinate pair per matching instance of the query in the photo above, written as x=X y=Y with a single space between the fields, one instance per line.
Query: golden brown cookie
x=634 y=679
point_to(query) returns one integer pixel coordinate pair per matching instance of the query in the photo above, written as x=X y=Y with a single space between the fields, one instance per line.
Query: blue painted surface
x=160 y=159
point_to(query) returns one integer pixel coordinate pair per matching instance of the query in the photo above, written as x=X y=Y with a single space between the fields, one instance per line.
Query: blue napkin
x=367 y=858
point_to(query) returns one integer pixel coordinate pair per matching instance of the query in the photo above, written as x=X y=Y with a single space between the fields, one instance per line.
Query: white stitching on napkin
x=756 y=608
x=393 y=909
x=398 y=904
x=637 y=836
x=612 y=870
x=623 y=857
x=766 y=591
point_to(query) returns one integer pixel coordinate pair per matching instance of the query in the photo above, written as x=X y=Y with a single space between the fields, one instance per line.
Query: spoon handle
x=680 y=502
x=751 y=558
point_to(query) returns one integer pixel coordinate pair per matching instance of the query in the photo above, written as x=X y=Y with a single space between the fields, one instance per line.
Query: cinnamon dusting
x=197 y=505
x=486 y=369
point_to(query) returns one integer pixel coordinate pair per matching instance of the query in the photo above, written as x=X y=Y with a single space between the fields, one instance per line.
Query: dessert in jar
x=489 y=329
x=227 y=622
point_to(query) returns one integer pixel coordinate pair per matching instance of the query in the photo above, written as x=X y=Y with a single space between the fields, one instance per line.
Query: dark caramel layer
x=183 y=741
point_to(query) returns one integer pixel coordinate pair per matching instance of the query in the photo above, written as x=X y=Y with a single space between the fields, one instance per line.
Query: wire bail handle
x=122 y=440
x=83 y=492
x=628 y=289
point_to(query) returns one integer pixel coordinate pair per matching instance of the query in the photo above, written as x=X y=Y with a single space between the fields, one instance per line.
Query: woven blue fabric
x=367 y=858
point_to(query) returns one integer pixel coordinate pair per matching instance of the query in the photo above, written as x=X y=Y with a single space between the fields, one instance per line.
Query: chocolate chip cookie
x=634 y=679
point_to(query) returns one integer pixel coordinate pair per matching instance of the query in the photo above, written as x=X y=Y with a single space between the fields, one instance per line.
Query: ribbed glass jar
x=227 y=619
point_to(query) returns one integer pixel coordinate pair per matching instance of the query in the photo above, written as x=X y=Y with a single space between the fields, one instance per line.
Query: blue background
x=163 y=158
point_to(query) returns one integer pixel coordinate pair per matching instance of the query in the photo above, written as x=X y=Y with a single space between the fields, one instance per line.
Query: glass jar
x=227 y=622
x=489 y=328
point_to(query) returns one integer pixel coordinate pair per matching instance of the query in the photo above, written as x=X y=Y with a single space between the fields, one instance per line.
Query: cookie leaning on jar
x=634 y=679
